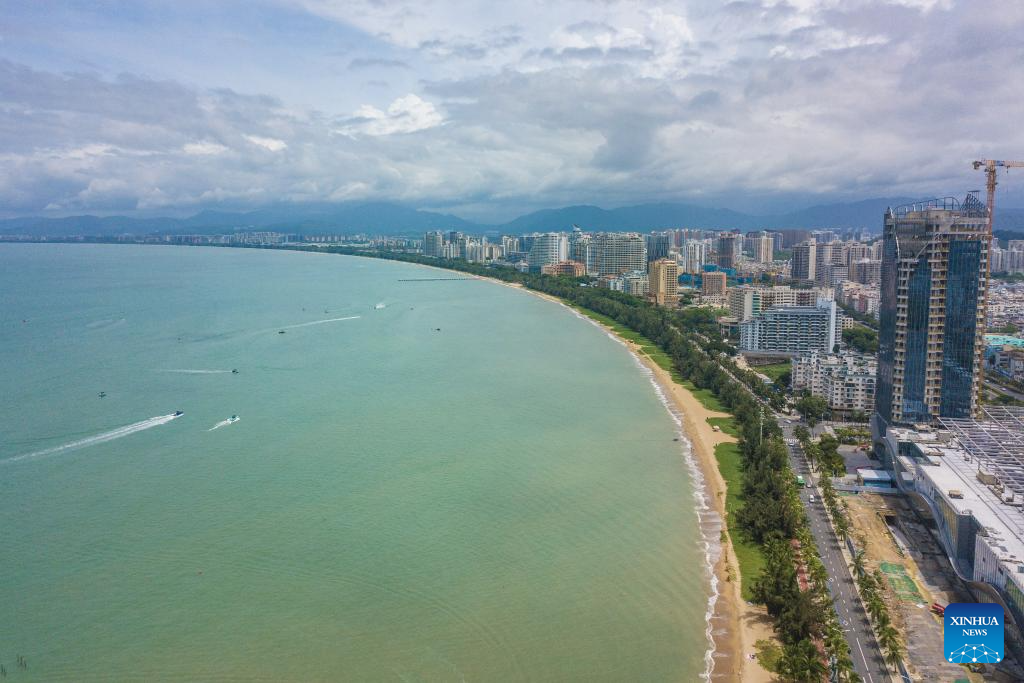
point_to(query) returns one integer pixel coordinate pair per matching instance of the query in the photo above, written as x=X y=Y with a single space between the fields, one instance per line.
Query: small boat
x=234 y=371
x=179 y=413
x=379 y=306
x=280 y=331
x=103 y=394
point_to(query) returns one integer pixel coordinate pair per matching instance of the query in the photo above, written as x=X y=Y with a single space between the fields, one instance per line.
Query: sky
x=491 y=109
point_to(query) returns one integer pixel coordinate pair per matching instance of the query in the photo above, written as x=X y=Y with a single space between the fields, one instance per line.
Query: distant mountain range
x=383 y=218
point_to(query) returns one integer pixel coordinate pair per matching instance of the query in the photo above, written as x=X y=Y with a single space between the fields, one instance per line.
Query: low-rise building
x=969 y=475
x=571 y=268
x=846 y=381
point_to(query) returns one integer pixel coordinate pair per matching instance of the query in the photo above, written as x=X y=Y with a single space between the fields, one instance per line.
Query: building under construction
x=932 y=313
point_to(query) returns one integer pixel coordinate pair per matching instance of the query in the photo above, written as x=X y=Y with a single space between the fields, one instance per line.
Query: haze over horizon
x=492 y=111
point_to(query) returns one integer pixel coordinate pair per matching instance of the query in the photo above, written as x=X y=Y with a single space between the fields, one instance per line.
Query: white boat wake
x=198 y=372
x=99 y=438
x=320 y=322
x=224 y=423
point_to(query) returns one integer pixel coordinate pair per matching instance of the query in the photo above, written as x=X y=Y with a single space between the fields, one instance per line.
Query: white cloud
x=203 y=148
x=271 y=144
x=405 y=115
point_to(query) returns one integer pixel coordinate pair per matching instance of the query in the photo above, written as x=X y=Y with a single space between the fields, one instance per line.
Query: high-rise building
x=713 y=283
x=547 y=248
x=614 y=253
x=658 y=245
x=730 y=247
x=822 y=261
x=433 y=243
x=664 y=282
x=764 y=249
x=804 y=260
x=695 y=256
x=932 y=315
x=791 y=329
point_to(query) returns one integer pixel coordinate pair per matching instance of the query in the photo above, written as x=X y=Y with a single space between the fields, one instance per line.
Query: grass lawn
x=726 y=424
x=706 y=397
x=748 y=554
x=774 y=371
x=652 y=350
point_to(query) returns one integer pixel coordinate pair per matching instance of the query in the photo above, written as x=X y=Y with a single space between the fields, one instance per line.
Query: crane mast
x=990 y=166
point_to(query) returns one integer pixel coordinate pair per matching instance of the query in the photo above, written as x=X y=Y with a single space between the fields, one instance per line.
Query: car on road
x=811 y=499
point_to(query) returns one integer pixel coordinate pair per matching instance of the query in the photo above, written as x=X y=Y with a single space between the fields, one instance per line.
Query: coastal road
x=866 y=655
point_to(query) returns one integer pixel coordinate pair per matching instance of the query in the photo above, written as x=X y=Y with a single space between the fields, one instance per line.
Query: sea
x=379 y=472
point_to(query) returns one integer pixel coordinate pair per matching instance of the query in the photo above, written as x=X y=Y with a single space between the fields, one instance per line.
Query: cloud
x=519 y=105
x=405 y=115
x=203 y=148
x=377 y=63
x=267 y=143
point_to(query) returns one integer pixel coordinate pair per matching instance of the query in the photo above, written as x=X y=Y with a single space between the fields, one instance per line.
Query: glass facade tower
x=932 y=312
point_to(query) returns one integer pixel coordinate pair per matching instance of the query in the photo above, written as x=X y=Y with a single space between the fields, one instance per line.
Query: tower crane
x=990 y=166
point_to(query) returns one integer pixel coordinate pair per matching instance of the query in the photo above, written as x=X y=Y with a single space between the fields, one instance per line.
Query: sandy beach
x=736 y=624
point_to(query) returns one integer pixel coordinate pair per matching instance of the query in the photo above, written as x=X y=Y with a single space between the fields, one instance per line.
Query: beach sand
x=736 y=624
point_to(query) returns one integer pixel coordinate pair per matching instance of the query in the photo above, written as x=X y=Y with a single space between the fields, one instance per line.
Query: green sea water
x=468 y=484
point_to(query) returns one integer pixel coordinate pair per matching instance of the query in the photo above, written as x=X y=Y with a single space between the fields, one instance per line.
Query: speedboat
x=233 y=418
x=179 y=413
x=379 y=306
x=234 y=371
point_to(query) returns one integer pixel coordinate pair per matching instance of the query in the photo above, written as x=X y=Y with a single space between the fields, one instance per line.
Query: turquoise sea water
x=499 y=499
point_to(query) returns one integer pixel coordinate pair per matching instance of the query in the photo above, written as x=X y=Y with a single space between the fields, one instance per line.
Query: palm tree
x=858 y=566
x=801 y=662
x=893 y=655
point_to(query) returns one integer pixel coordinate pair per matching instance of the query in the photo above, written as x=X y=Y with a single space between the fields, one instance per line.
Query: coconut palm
x=860 y=570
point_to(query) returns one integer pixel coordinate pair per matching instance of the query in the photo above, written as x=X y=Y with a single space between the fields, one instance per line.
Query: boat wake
x=224 y=423
x=197 y=372
x=319 y=322
x=97 y=439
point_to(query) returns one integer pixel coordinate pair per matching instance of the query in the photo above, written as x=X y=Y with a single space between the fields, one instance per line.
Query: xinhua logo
x=973 y=632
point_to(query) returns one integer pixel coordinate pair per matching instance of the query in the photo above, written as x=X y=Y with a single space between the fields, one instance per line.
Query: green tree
x=812 y=408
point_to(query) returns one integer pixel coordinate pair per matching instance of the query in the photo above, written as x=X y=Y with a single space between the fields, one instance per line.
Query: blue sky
x=492 y=109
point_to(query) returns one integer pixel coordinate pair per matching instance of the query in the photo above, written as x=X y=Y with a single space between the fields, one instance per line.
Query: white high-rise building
x=548 y=248
x=615 y=253
x=791 y=329
x=695 y=255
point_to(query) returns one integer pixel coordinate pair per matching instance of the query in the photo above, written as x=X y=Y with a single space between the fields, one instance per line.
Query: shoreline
x=734 y=626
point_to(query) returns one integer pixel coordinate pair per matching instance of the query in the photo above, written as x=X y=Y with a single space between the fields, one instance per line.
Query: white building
x=614 y=253
x=846 y=381
x=791 y=329
x=548 y=248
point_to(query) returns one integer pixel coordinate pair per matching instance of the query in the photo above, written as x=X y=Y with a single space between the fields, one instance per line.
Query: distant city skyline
x=489 y=112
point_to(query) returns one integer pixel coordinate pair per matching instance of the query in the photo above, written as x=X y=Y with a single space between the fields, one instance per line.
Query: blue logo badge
x=973 y=632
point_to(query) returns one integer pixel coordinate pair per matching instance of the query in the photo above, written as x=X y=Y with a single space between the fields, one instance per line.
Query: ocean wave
x=709 y=521
x=118 y=433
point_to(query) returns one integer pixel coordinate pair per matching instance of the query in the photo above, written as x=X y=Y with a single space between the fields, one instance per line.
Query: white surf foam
x=224 y=423
x=97 y=439
x=319 y=322
x=709 y=520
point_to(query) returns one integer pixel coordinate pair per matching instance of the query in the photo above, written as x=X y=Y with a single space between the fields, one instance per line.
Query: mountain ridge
x=388 y=218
